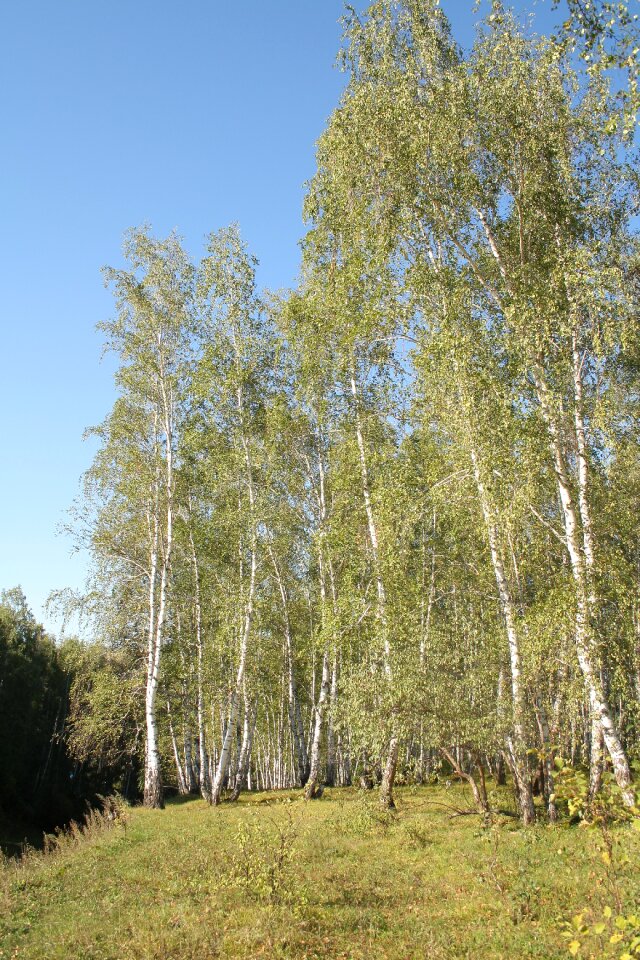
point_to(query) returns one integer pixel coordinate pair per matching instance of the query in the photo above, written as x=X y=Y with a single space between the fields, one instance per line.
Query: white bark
x=331 y=737
x=311 y=789
x=596 y=760
x=152 y=785
x=371 y=525
x=225 y=752
x=180 y=773
x=248 y=729
x=203 y=760
x=585 y=648
x=386 y=791
x=517 y=744
x=295 y=717
x=153 y=792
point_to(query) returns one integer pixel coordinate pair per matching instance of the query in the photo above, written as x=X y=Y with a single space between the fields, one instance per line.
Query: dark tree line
x=43 y=784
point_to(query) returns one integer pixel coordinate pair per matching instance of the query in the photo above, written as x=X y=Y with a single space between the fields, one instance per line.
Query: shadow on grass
x=16 y=835
x=176 y=800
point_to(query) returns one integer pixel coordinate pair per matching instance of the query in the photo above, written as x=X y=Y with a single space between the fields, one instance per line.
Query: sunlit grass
x=274 y=876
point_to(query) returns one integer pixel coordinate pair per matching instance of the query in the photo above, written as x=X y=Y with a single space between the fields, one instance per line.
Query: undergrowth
x=274 y=876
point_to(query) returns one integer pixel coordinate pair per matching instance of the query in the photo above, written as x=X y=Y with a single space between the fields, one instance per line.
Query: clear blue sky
x=188 y=115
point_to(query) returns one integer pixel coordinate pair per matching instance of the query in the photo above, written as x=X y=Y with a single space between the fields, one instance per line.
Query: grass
x=275 y=877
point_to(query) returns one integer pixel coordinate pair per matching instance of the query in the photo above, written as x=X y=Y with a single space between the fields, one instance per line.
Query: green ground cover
x=274 y=876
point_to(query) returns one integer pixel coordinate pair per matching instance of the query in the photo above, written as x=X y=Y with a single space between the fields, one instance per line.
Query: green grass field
x=274 y=876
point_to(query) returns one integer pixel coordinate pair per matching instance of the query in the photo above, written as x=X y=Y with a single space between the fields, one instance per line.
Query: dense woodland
x=385 y=526
x=44 y=782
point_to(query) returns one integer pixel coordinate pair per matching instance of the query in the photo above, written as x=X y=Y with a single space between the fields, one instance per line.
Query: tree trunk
x=183 y=789
x=295 y=716
x=312 y=788
x=330 y=779
x=585 y=650
x=478 y=788
x=203 y=759
x=225 y=752
x=516 y=744
x=249 y=726
x=153 y=789
x=548 y=755
x=386 y=795
x=388 y=776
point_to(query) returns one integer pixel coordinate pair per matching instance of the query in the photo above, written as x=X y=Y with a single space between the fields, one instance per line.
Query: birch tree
x=505 y=188
x=137 y=464
x=233 y=373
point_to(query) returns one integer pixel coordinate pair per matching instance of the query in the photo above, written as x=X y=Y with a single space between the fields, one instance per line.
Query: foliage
x=610 y=935
x=263 y=864
x=607 y=808
x=32 y=705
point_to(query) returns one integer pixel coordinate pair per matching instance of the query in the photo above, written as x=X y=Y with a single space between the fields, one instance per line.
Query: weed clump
x=109 y=813
x=362 y=816
x=264 y=858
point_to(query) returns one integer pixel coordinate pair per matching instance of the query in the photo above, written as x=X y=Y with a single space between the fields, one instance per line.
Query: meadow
x=276 y=876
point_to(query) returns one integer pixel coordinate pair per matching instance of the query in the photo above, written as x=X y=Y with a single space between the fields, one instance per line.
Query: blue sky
x=183 y=115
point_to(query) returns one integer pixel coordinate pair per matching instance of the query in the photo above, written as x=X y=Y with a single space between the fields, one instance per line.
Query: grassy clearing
x=276 y=877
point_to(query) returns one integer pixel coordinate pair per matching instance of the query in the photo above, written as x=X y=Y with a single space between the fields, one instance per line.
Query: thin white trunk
x=586 y=653
x=180 y=773
x=596 y=759
x=371 y=525
x=548 y=751
x=518 y=743
x=153 y=793
x=312 y=788
x=225 y=752
x=203 y=760
x=249 y=726
x=386 y=788
x=331 y=738
x=295 y=716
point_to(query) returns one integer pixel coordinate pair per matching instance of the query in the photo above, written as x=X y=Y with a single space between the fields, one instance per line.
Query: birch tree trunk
x=548 y=752
x=426 y=606
x=517 y=743
x=225 y=752
x=295 y=716
x=153 y=789
x=585 y=647
x=596 y=755
x=183 y=788
x=388 y=778
x=312 y=789
x=330 y=779
x=249 y=726
x=203 y=759
x=153 y=792
x=478 y=787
